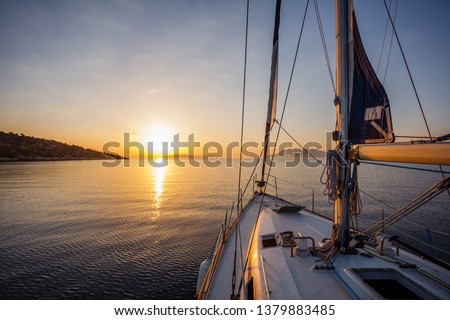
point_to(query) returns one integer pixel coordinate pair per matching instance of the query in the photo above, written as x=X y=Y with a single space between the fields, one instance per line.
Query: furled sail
x=272 y=105
x=370 y=117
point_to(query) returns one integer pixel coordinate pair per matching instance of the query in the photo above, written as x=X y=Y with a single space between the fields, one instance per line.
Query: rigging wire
x=407 y=220
x=403 y=167
x=251 y=175
x=238 y=207
x=243 y=105
x=364 y=192
x=428 y=245
x=390 y=46
x=384 y=39
x=358 y=202
x=240 y=196
x=412 y=81
x=278 y=132
x=419 y=201
x=426 y=228
x=378 y=200
x=384 y=42
x=421 y=242
x=329 y=169
x=404 y=219
x=407 y=68
x=299 y=144
x=287 y=91
x=324 y=45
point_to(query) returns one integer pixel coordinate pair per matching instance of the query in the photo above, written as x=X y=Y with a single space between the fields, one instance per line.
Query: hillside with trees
x=19 y=147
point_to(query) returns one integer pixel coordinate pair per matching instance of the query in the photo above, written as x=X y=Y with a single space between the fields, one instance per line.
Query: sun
x=157 y=139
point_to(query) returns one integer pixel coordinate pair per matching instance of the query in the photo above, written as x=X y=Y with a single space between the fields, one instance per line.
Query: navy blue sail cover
x=370 y=117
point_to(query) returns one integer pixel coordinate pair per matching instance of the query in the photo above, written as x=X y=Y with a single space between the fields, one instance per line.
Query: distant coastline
x=302 y=153
x=21 y=148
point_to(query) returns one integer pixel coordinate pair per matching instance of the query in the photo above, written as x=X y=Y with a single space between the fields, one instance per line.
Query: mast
x=272 y=104
x=342 y=116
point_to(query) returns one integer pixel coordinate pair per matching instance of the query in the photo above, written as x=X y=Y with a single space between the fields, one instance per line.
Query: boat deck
x=276 y=275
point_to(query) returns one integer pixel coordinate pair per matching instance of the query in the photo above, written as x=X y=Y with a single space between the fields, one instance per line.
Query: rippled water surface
x=76 y=230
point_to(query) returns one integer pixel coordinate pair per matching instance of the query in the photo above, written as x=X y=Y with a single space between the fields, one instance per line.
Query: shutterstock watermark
x=214 y=154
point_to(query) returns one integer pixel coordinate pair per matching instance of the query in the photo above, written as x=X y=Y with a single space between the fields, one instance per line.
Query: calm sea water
x=76 y=230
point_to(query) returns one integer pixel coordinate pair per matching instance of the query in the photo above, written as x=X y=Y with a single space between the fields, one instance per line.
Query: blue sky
x=85 y=72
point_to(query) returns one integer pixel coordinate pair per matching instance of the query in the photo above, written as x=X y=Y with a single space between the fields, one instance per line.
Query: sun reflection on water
x=159 y=174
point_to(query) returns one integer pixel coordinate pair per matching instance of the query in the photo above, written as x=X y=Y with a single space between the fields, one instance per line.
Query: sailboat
x=274 y=249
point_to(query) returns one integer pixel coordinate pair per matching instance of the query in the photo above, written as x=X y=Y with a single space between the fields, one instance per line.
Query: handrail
x=222 y=232
x=217 y=254
x=299 y=237
x=204 y=289
x=265 y=278
x=434 y=191
x=275 y=181
x=423 y=254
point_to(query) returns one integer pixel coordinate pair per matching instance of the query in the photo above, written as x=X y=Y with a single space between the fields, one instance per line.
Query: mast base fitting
x=260 y=184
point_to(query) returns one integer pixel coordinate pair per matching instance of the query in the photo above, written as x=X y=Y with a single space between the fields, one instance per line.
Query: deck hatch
x=391 y=284
x=269 y=240
x=290 y=209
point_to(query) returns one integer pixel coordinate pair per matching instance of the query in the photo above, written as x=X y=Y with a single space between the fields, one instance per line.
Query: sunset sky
x=86 y=72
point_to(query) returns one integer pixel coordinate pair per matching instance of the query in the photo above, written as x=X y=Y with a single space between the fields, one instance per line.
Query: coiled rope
x=331 y=174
